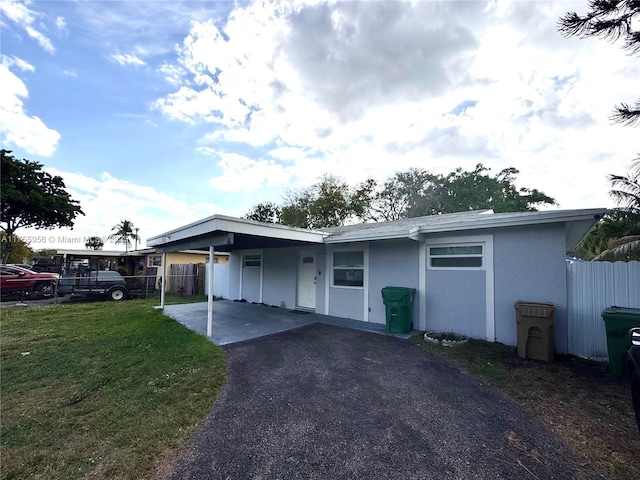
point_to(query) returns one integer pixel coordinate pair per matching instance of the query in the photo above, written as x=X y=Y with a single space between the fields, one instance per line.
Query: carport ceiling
x=219 y=240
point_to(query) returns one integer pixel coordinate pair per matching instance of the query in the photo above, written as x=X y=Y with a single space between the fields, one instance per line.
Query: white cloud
x=127 y=59
x=367 y=88
x=23 y=16
x=16 y=125
x=13 y=61
x=107 y=200
x=243 y=174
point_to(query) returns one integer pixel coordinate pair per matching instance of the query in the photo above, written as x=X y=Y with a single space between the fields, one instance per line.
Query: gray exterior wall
x=235 y=260
x=392 y=263
x=529 y=264
x=455 y=301
x=280 y=275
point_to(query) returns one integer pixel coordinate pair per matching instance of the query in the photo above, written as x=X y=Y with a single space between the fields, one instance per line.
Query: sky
x=164 y=112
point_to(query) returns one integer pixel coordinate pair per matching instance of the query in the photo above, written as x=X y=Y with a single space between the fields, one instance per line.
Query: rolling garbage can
x=618 y=321
x=398 y=302
x=534 y=323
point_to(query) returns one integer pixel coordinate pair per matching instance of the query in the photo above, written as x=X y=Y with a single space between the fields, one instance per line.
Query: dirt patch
x=576 y=398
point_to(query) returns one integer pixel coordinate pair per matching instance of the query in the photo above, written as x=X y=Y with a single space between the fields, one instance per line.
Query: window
x=456 y=256
x=154 y=260
x=252 y=260
x=348 y=269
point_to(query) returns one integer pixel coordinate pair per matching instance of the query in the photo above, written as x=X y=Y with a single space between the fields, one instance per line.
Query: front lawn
x=100 y=390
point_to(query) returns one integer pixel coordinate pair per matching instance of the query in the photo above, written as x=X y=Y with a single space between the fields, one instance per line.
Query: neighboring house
x=468 y=268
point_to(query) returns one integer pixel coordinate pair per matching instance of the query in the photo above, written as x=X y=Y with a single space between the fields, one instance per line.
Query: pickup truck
x=101 y=282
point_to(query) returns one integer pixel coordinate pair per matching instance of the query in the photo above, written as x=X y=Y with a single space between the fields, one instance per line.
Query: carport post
x=210 y=293
x=163 y=279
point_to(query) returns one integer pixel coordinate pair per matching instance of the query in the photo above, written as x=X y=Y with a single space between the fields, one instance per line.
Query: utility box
x=618 y=321
x=398 y=302
x=534 y=323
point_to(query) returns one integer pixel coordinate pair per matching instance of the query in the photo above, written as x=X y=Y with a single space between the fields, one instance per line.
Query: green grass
x=100 y=390
x=576 y=398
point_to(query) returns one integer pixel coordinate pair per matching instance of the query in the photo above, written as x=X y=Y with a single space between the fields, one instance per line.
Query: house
x=468 y=268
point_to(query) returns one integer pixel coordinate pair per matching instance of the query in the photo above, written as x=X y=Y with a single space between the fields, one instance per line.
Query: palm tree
x=626 y=189
x=124 y=232
x=621 y=231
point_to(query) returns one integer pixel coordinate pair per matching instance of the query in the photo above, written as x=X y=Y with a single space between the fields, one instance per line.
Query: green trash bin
x=398 y=302
x=618 y=321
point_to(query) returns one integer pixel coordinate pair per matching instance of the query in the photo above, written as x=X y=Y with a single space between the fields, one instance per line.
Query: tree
x=19 y=249
x=476 y=190
x=416 y=192
x=610 y=20
x=267 y=212
x=124 y=232
x=95 y=243
x=626 y=188
x=327 y=203
x=32 y=198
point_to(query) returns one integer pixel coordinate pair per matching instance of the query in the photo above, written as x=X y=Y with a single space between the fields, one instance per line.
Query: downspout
x=415 y=235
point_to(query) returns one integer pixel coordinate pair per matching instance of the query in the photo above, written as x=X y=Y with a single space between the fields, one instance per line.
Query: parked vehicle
x=96 y=282
x=16 y=281
x=633 y=370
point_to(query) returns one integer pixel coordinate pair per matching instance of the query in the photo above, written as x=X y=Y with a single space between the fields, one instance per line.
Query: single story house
x=468 y=268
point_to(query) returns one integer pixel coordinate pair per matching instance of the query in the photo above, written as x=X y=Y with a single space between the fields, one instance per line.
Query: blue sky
x=164 y=112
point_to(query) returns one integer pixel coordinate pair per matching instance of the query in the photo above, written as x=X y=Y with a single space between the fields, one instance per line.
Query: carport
x=225 y=234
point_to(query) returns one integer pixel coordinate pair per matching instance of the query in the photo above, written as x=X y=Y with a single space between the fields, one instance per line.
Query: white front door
x=306 y=296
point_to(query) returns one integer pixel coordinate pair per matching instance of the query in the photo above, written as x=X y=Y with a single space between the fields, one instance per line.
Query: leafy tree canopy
x=94 y=243
x=412 y=193
x=267 y=212
x=20 y=250
x=32 y=198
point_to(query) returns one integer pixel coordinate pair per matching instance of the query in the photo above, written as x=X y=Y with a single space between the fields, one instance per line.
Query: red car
x=16 y=281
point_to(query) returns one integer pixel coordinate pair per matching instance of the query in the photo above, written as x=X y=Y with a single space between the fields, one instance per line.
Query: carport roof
x=230 y=233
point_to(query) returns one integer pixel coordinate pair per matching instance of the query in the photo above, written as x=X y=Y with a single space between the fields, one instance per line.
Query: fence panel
x=592 y=287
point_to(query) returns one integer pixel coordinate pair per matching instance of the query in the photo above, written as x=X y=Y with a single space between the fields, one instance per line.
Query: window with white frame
x=348 y=268
x=468 y=256
x=154 y=260
x=252 y=260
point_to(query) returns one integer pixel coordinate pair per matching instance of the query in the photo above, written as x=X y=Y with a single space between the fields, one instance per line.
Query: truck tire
x=117 y=293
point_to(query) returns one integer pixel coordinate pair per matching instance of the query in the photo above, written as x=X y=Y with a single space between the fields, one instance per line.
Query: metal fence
x=591 y=288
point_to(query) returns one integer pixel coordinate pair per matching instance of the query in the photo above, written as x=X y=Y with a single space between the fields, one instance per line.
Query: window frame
x=481 y=255
x=360 y=268
x=151 y=260
x=255 y=257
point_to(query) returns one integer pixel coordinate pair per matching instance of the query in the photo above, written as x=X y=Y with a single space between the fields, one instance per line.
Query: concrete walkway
x=237 y=321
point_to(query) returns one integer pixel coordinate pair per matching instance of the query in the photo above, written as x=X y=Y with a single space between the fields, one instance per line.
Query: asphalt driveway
x=326 y=402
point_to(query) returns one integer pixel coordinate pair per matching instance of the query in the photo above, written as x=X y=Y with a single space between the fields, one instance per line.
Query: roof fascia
x=221 y=223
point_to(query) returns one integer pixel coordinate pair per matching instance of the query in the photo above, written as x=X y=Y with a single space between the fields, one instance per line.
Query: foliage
x=611 y=232
x=415 y=192
x=327 y=203
x=94 y=243
x=100 y=390
x=610 y=20
x=268 y=212
x=626 y=188
x=124 y=232
x=32 y=198
x=19 y=249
